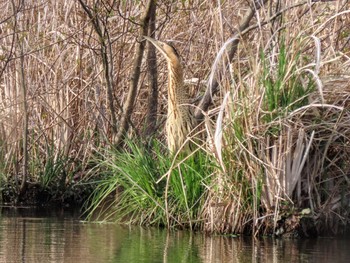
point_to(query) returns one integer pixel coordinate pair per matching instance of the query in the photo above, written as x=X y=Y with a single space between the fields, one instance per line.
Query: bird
x=179 y=123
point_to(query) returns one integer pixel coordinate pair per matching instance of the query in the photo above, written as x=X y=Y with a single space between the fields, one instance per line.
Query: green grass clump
x=150 y=188
x=284 y=90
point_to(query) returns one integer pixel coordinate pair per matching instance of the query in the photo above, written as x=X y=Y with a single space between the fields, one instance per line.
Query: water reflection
x=41 y=236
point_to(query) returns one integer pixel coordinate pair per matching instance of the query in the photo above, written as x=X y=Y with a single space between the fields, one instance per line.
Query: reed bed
x=273 y=152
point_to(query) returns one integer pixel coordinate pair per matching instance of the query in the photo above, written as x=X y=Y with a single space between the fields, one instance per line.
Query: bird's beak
x=153 y=41
x=157 y=45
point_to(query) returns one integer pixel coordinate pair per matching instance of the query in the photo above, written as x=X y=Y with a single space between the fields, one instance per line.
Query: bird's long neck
x=177 y=93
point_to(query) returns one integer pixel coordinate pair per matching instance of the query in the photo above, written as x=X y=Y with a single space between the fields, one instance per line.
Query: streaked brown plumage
x=179 y=119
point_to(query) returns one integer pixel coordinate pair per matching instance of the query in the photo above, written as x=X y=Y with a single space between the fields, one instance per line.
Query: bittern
x=179 y=118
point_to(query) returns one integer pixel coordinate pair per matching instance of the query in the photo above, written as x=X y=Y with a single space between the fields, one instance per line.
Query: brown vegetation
x=74 y=79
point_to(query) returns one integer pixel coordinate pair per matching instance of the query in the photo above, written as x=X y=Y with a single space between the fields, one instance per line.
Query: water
x=40 y=236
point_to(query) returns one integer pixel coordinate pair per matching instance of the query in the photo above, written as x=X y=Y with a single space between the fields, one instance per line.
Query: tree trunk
x=135 y=74
x=152 y=105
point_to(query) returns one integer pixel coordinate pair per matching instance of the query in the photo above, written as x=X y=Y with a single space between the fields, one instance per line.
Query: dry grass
x=291 y=156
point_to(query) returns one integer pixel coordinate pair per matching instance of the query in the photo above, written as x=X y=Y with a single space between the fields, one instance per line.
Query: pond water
x=28 y=236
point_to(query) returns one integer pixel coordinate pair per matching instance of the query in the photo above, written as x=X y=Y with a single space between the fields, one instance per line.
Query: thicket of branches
x=74 y=74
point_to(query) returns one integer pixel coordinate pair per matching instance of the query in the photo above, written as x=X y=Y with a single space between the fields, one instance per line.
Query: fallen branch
x=244 y=28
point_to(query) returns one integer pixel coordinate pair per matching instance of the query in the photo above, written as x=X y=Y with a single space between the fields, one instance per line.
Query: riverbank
x=84 y=105
x=49 y=196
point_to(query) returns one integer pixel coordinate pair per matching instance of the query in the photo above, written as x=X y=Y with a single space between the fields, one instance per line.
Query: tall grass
x=269 y=143
x=276 y=135
x=284 y=86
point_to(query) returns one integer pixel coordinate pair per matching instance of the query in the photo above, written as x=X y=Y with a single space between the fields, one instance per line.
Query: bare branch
x=107 y=60
x=135 y=75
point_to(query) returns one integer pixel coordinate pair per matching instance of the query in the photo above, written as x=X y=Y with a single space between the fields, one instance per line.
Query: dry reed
x=298 y=159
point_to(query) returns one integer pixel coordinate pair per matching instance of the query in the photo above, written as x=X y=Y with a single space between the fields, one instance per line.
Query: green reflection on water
x=28 y=237
x=152 y=245
x=58 y=237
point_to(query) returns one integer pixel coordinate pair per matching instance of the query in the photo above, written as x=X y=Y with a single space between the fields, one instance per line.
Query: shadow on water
x=29 y=235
